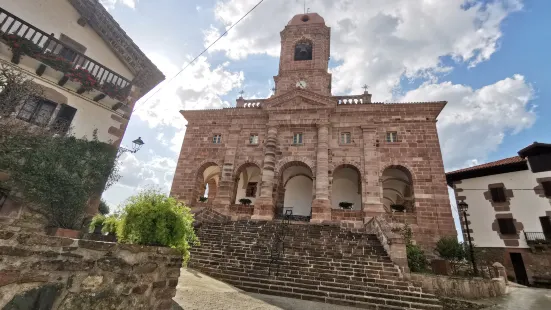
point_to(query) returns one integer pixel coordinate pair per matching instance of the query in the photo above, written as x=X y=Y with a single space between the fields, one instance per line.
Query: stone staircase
x=321 y=263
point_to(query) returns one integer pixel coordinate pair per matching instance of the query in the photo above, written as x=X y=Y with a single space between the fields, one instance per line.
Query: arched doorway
x=397 y=189
x=247 y=183
x=208 y=177
x=296 y=183
x=346 y=187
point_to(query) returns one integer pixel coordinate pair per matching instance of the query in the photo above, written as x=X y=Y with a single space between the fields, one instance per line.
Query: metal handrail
x=11 y=24
x=278 y=248
x=537 y=237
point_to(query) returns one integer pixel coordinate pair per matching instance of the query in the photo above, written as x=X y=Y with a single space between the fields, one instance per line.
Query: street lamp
x=137 y=145
x=463 y=206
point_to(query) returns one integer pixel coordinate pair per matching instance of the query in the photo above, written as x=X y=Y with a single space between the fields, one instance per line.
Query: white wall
x=298 y=195
x=526 y=206
x=253 y=175
x=59 y=16
x=345 y=188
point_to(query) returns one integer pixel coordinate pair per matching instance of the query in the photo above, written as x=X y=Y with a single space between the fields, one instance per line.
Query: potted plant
x=96 y=225
x=21 y=46
x=114 y=91
x=84 y=77
x=203 y=199
x=345 y=205
x=55 y=61
x=245 y=201
x=398 y=208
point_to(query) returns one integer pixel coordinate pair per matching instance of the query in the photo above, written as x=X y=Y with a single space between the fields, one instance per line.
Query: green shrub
x=417 y=261
x=450 y=249
x=152 y=218
x=245 y=201
x=103 y=207
x=345 y=205
x=97 y=220
x=111 y=225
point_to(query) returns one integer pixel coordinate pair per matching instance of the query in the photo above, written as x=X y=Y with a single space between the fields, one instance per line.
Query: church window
x=303 y=51
x=253 y=139
x=217 y=139
x=392 y=136
x=297 y=138
x=251 y=189
x=346 y=138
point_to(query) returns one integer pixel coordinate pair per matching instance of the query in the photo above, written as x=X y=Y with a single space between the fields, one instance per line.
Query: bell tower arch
x=304 y=59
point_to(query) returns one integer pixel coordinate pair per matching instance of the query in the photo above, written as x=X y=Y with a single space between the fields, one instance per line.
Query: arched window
x=303 y=51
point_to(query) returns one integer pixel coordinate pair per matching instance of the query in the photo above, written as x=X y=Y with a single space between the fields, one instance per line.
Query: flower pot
x=62 y=232
x=97 y=229
x=16 y=58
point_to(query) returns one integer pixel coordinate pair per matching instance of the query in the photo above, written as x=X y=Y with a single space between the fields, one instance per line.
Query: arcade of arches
x=295 y=187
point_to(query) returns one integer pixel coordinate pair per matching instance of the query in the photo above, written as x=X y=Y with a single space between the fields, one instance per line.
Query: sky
x=488 y=59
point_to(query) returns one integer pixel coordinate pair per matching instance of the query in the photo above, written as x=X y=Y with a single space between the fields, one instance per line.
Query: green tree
x=152 y=218
x=450 y=249
x=103 y=207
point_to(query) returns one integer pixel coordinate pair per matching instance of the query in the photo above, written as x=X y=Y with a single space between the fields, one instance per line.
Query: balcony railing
x=48 y=44
x=537 y=238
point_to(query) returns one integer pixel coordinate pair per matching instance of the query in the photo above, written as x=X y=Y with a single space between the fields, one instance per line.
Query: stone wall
x=65 y=274
x=468 y=288
x=392 y=242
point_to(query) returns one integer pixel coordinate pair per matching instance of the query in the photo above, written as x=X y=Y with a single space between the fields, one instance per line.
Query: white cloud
x=378 y=41
x=110 y=4
x=474 y=122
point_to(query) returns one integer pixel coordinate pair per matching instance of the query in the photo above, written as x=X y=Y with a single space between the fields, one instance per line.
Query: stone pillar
x=321 y=206
x=372 y=200
x=225 y=185
x=264 y=205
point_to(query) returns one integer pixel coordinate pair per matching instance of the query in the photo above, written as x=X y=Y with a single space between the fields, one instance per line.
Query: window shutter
x=507 y=227
x=498 y=194
x=64 y=118
x=546 y=188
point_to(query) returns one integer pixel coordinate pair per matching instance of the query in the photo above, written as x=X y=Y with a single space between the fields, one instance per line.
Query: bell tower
x=304 y=59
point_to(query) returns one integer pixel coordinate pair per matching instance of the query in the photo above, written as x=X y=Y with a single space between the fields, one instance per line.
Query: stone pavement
x=197 y=291
x=524 y=298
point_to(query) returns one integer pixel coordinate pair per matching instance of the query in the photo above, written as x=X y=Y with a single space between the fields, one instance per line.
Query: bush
x=111 y=225
x=97 y=220
x=450 y=249
x=417 y=261
x=245 y=201
x=152 y=218
x=103 y=207
x=345 y=205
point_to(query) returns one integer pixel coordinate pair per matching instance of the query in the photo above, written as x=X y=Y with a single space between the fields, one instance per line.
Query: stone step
x=265 y=251
x=275 y=286
x=394 y=284
x=257 y=261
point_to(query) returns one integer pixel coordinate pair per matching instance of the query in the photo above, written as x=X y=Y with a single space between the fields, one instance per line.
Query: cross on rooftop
x=241 y=93
x=365 y=87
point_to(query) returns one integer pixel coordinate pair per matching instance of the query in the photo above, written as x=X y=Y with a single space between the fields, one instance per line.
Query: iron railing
x=278 y=247
x=11 y=24
x=537 y=238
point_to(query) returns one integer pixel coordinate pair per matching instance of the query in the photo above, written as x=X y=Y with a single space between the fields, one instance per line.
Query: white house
x=65 y=43
x=509 y=211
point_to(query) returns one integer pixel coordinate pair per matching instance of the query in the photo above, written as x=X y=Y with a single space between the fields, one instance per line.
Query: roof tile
x=501 y=162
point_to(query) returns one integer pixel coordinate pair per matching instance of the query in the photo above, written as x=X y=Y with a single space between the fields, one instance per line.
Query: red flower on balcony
x=114 y=91
x=55 y=61
x=86 y=79
x=21 y=45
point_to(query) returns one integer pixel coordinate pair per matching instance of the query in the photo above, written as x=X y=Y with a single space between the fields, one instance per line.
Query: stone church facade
x=308 y=151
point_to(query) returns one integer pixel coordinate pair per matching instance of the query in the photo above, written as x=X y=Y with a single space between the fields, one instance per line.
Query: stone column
x=372 y=200
x=264 y=205
x=225 y=185
x=321 y=206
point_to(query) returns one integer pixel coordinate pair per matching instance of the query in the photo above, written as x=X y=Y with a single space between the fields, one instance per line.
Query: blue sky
x=488 y=59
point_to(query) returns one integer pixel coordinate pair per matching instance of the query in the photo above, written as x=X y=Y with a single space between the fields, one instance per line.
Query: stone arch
x=205 y=176
x=347 y=186
x=303 y=49
x=397 y=184
x=294 y=189
x=242 y=169
x=405 y=167
x=290 y=161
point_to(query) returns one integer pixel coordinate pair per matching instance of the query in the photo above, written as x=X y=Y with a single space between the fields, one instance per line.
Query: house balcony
x=537 y=238
x=55 y=61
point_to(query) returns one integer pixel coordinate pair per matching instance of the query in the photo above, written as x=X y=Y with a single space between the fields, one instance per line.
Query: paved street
x=525 y=299
x=197 y=291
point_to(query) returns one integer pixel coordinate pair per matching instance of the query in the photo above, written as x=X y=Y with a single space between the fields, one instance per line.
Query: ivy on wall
x=54 y=175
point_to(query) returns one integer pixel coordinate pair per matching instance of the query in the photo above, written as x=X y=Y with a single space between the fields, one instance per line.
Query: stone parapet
x=459 y=287
x=392 y=242
x=62 y=273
